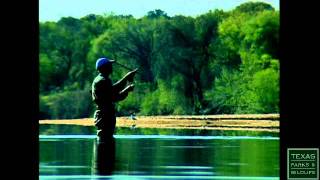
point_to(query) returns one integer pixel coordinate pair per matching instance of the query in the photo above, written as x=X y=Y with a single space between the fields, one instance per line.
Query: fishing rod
x=132 y=115
x=126 y=67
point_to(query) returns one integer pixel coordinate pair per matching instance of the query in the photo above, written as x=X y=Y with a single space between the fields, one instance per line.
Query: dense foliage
x=218 y=62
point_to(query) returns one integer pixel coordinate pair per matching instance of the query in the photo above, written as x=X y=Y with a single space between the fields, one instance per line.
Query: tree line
x=220 y=62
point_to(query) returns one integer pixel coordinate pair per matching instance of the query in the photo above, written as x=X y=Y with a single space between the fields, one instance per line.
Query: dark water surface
x=69 y=152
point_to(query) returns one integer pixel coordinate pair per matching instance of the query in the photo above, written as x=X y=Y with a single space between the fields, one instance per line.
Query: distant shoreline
x=248 y=122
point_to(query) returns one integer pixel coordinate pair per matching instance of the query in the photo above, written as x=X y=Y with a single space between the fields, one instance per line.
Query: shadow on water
x=104 y=157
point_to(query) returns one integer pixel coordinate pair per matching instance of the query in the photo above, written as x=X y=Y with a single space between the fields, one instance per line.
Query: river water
x=70 y=152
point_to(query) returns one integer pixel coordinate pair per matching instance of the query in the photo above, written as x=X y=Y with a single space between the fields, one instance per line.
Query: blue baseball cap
x=102 y=61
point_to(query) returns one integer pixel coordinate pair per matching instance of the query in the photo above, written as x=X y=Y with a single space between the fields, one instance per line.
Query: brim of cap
x=111 y=60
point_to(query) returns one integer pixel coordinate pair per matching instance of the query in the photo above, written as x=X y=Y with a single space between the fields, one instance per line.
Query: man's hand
x=130 y=75
x=127 y=89
x=130 y=87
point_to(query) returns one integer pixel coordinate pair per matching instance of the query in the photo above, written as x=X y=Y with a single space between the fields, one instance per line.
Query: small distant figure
x=204 y=112
x=133 y=126
x=133 y=116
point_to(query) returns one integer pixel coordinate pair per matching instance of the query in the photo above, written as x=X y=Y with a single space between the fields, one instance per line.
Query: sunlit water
x=69 y=152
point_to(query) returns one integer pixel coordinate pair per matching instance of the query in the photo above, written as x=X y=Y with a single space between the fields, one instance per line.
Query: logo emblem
x=303 y=163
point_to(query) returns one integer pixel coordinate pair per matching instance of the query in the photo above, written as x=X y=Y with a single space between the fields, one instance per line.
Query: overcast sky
x=53 y=10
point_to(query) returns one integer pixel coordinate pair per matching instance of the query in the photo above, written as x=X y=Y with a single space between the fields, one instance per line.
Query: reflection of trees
x=191 y=132
x=126 y=155
x=51 y=129
x=249 y=157
x=224 y=156
x=67 y=153
x=244 y=157
x=261 y=157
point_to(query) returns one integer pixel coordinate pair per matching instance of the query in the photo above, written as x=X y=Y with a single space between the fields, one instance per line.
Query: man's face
x=106 y=69
x=109 y=68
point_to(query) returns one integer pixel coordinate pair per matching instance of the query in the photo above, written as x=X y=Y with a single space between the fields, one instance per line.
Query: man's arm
x=118 y=86
x=123 y=94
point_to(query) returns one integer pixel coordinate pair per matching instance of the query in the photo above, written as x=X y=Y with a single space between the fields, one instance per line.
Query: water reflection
x=154 y=156
x=104 y=156
x=53 y=129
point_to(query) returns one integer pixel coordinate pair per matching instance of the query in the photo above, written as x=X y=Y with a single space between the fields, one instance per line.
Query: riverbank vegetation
x=220 y=62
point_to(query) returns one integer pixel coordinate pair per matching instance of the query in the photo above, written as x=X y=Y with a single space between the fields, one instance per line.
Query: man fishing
x=105 y=95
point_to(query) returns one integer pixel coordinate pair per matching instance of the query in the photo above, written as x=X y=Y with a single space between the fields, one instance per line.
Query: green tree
x=217 y=62
x=188 y=46
x=253 y=8
x=157 y=13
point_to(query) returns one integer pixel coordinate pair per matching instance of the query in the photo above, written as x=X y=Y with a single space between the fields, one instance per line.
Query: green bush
x=128 y=106
x=266 y=88
x=150 y=104
x=222 y=97
x=67 y=105
x=241 y=93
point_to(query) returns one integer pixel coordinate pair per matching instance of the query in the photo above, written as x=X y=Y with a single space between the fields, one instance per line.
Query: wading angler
x=105 y=94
